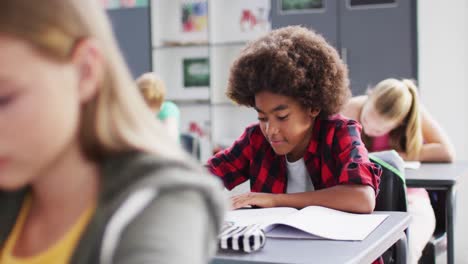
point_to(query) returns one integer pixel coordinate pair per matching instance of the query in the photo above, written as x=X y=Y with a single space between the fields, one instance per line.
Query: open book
x=412 y=165
x=313 y=222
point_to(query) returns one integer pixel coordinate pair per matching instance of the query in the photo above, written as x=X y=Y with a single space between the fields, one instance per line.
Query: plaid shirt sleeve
x=351 y=156
x=232 y=164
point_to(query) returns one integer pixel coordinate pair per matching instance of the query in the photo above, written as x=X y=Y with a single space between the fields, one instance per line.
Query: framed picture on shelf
x=179 y=22
x=196 y=72
x=186 y=72
x=238 y=21
x=300 y=6
x=194 y=16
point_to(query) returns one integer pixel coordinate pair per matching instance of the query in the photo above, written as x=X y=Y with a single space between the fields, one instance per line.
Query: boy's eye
x=5 y=100
x=262 y=119
x=283 y=117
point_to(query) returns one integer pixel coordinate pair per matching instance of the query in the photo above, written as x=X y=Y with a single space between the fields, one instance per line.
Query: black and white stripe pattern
x=241 y=238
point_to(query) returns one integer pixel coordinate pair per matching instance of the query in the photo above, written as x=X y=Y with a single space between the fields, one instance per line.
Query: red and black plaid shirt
x=336 y=155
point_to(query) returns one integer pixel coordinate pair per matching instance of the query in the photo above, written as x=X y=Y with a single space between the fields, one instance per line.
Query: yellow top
x=60 y=252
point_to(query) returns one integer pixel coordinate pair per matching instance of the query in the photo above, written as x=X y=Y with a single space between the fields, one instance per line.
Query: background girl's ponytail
x=413 y=133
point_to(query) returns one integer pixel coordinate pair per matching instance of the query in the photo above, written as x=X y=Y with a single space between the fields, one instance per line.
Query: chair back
x=392 y=191
x=191 y=144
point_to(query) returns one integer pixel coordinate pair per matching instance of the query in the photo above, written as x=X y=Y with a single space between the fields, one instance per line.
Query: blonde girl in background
x=86 y=173
x=392 y=117
x=153 y=89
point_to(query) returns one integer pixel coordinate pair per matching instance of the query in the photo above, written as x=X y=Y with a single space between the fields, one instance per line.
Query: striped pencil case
x=241 y=238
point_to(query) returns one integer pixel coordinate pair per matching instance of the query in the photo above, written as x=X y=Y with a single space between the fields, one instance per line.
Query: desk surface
x=436 y=174
x=325 y=251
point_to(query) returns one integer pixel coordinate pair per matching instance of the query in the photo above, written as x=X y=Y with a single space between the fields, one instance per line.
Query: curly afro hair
x=292 y=61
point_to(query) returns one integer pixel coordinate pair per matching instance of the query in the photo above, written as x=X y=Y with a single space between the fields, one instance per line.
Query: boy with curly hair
x=301 y=152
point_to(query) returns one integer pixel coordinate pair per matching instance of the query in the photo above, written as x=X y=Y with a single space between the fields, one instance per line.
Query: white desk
x=441 y=176
x=391 y=231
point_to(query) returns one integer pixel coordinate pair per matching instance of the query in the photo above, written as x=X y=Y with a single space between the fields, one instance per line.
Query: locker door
x=132 y=30
x=321 y=15
x=378 y=40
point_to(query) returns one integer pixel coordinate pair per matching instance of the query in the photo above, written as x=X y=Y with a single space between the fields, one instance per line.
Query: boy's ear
x=87 y=58
x=315 y=112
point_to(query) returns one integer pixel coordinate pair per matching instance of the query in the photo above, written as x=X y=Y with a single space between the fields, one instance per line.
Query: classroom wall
x=443 y=65
x=443 y=70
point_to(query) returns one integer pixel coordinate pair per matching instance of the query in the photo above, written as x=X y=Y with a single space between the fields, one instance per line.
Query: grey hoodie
x=150 y=210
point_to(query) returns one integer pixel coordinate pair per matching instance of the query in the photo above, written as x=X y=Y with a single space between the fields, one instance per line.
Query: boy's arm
x=232 y=164
x=356 y=177
x=350 y=198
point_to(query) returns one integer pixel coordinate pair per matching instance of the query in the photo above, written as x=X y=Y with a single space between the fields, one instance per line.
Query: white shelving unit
x=193 y=37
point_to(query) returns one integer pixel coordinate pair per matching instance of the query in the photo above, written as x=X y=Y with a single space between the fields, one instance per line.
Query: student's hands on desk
x=353 y=198
x=264 y=200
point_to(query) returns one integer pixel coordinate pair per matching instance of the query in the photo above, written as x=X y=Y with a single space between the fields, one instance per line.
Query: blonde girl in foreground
x=86 y=173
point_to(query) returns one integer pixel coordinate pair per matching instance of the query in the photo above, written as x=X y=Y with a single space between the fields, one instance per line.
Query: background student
x=153 y=90
x=393 y=118
x=85 y=176
x=299 y=154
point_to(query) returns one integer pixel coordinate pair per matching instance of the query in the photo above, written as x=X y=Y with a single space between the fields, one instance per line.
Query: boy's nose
x=271 y=129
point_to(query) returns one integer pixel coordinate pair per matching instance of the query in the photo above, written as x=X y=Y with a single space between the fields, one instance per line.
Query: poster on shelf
x=239 y=21
x=179 y=22
x=196 y=72
x=186 y=71
x=117 y=4
x=194 y=16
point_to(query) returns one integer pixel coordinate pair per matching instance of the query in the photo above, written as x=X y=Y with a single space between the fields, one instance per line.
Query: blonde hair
x=397 y=100
x=153 y=89
x=116 y=119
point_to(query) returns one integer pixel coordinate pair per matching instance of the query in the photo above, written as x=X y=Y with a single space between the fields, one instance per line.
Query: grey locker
x=378 y=41
x=323 y=20
x=132 y=30
x=376 y=38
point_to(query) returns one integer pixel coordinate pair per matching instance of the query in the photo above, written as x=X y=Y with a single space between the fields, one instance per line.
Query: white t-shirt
x=298 y=177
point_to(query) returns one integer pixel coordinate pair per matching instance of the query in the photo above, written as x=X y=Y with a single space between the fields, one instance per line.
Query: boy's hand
x=264 y=200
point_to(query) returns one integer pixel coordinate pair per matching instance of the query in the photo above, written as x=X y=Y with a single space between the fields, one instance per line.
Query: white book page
x=262 y=216
x=412 y=165
x=283 y=231
x=333 y=224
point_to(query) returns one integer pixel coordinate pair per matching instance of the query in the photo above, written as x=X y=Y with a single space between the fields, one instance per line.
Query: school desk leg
x=401 y=250
x=450 y=214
